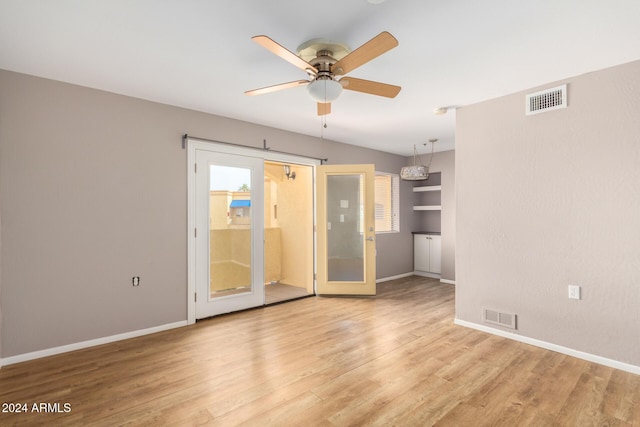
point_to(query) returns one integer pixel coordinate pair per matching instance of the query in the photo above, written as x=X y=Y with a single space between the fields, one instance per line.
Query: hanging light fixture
x=417 y=172
x=324 y=89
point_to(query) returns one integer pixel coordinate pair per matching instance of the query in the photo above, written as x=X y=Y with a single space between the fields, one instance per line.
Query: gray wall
x=93 y=190
x=552 y=200
x=443 y=162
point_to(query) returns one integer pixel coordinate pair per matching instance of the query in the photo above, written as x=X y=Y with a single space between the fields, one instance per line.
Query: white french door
x=229 y=232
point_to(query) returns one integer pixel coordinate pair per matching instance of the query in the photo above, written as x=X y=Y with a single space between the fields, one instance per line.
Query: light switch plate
x=574 y=292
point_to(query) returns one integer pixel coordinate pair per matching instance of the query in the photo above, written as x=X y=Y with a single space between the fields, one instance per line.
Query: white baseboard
x=90 y=343
x=553 y=347
x=425 y=274
x=399 y=276
x=416 y=273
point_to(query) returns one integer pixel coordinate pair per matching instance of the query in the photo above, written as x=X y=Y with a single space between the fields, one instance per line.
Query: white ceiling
x=198 y=54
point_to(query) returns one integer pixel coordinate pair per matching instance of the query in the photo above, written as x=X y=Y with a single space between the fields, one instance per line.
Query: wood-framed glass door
x=345 y=230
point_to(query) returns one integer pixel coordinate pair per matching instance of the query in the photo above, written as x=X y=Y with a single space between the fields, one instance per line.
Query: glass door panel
x=345 y=243
x=230 y=230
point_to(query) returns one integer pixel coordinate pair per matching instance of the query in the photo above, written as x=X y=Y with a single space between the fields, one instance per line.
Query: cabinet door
x=420 y=252
x=435 y=254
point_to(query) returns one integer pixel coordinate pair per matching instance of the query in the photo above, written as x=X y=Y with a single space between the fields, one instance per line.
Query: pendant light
x=417 y=172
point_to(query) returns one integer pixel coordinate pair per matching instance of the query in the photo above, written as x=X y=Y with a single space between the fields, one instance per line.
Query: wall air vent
x=546 y=100
x=507 y=320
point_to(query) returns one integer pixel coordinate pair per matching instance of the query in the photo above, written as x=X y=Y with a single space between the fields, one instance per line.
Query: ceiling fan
x=324 y=60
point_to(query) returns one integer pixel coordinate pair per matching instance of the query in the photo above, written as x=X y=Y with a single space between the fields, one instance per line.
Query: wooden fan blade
x=284 y=53
x=274 y=88
x=375 y=47
x=324 y=108
x=367 y=86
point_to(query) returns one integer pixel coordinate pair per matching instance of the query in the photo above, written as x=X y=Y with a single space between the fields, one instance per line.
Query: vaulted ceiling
x=199 y=54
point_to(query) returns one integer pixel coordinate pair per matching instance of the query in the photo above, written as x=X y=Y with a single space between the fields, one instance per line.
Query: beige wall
x=270 y=200
x=219 y=202
x=552 y=200
x=230 y=258
x=111 y=172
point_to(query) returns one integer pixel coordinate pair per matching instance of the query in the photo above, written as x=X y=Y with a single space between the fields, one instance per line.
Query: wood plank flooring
x=396 y=359
x=279 y=292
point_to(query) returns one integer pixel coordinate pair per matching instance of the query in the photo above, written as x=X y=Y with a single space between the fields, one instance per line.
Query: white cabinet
x=435 y=254
x=427 y=253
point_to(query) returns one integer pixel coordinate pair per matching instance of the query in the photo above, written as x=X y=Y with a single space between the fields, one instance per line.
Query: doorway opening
x=288 y=231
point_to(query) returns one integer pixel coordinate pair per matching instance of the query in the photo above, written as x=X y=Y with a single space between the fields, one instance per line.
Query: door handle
x=370 y=239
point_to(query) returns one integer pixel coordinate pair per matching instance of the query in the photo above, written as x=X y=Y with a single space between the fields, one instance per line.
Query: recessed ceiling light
x=440 y=111
x=375 y=1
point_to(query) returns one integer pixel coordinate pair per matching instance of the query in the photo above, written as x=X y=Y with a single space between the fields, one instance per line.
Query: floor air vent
x=506 y=320
x=546 y=100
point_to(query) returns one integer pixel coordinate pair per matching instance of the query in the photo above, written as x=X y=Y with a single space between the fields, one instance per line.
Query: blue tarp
x=240 y=203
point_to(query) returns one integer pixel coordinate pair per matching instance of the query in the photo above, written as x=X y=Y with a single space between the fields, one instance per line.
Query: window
x=387 y=200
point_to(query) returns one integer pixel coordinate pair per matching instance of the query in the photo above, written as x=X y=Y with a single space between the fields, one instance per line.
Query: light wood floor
x=396 y=359
x=279 y=292
x=273 y=293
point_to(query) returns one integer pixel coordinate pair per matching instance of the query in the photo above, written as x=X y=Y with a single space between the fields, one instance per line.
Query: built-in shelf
x=427 y=205
x=427 y=188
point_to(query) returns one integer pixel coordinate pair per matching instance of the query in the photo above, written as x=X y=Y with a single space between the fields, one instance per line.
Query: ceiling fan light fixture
x=324 y=90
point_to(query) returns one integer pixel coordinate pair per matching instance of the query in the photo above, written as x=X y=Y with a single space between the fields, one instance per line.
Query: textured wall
x=94 y=191
x=552 y=200
x=444 y=162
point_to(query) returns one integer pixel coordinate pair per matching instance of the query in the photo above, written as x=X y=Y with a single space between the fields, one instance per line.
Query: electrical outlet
x=574 y=292
x=135 y=281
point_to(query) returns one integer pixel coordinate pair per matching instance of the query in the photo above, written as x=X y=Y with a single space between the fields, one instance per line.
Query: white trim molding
x=86 y=344
x=399 y=276
x=193 y=144
x=553 y=347
x=448 y=282
x=425 y=274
